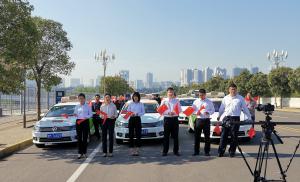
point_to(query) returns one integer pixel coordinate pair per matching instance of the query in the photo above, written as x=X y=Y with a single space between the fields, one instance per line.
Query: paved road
x=58 y=163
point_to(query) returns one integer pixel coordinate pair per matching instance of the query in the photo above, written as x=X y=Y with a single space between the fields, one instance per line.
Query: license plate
x=144 y=131
x=54 y=135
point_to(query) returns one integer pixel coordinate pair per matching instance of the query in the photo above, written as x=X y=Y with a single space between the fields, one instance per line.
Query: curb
x=14 y=148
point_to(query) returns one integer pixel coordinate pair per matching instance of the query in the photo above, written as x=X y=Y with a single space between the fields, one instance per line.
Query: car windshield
x=217 y=105
x=149 y=108
x=187 y=102
x=57 y=111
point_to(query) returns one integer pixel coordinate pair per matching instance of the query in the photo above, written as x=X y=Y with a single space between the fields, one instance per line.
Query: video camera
x=266 y=108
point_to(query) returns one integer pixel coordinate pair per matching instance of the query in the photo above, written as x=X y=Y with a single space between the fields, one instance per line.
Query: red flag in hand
x=217 y=129
x=104 y=115
x=189 y=111
x=251 y=132
x=98 y=112
x=128 y=114
x=162 y=109
x=65 y=116
x=176 y=109
x=90 y=103
x=201 y=108
x=80 y=121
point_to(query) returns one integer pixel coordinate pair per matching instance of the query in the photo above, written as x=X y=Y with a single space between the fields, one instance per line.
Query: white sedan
x=152 y=123
x=185 y=103
x=243 y=131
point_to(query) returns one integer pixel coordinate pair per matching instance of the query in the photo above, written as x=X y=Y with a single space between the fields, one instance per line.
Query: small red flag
x=176 y=109
x=104 y=114
x=162 y=109
x=128 y=115
x=65 y=116
x=251 y=132
x=217 y=129
x=189 y=111
x=98 y=112
x=80 y=121
x=201 y=108
x=90 y=103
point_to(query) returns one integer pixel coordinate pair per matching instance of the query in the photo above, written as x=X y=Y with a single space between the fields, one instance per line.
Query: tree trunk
x=38 y=98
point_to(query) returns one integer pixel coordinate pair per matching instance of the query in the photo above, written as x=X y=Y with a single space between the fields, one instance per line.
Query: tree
x=258 y=85
x=51 y=59
x=115 y=85
x=18 y=37
x=214 y=84
x=294 y=80
x=241 y=81
x=279 y=82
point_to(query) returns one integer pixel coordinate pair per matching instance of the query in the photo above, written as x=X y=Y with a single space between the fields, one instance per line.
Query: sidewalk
x=13 y=136
x=288 y=109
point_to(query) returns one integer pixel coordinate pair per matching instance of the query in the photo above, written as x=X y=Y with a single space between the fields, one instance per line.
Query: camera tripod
x=268 y=130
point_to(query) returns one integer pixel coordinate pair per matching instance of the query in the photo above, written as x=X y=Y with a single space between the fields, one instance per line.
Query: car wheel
x=119 y=141
x=40 y=145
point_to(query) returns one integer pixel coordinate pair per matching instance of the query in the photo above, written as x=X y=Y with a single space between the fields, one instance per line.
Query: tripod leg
x=240 y=150
x=260 y=160
x=278 y=162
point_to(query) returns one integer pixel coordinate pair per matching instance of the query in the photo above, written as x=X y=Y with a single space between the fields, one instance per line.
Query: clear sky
x=164 y=36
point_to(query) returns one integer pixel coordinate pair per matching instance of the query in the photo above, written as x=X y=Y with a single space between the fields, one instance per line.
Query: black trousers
x=82 y=131
x=171 y=126
x=97 y=122
x=108 y=128
x=231 y=130
x=135 y=130
x=202 y=125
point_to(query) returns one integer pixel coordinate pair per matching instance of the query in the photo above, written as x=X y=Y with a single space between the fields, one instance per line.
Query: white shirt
x=137 y=108
x=209 y=108
x=83 y=111
x=110 y=109
x=170 y=103
x=233 y=106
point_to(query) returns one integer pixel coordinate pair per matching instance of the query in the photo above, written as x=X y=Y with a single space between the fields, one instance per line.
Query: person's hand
x=218 y=118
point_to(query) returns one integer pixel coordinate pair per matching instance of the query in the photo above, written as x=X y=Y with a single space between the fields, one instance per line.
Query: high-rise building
x=90 y=83
x=75 y=82
x=236 y=71
x=98 y=80
x=197 y=76
x=221 y=72
x=254 y=70
x=149 y=80
x=138 y=84
x=124 y=74
x=186 y=77
x=207 y=74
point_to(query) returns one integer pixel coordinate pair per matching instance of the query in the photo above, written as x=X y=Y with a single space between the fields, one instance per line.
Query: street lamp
x=104 y=58
x=277 y=57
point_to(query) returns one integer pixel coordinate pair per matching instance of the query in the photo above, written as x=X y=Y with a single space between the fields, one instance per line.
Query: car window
x=149 y=108
x=187 y=102
x=217 y=105
x=57 y=111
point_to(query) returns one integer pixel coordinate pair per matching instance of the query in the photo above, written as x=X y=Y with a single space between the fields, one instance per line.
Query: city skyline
x=175 y=34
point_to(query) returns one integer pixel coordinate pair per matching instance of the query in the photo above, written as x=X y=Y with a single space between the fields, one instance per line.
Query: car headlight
x=121 y=124
x=36 y=128
x=160 y=123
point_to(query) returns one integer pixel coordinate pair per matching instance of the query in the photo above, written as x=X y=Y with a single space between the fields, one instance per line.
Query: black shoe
x=164 y=154
x=177 y=154
x=220 y=155
x=207 y=154
x=195 y=154
x=231 y=155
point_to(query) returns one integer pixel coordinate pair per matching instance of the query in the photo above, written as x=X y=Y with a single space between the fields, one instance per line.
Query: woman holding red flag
x=171 y=125
x=83 y=112
x=135 y=124
x=108 y=112
x=251 y=104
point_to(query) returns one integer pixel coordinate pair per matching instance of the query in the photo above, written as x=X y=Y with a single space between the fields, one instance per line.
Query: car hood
x=56 y=121
x=146 y=118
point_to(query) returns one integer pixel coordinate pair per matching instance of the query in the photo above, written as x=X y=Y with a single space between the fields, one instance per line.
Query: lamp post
x=277 y=57
x=104 y=58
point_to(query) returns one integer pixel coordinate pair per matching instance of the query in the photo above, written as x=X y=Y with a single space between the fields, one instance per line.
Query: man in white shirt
x=171 y=124
x=203 y=108
x=232 y=105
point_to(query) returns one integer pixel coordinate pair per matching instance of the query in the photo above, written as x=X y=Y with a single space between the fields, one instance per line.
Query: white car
x=243 y=131
x=152 y=123
x=185 y=103
x=57 y=126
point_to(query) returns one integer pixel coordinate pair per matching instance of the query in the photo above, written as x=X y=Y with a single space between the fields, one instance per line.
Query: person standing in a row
x=82 y=112
x=135 y=123
x=232 y=105
x=108 y=125
x=96 y=119
x=171 y=124
x=203 y=108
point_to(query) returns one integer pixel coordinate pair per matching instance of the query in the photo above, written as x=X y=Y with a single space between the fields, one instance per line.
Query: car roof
x=147 y=101
x=189 y=98
x=67 y=104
